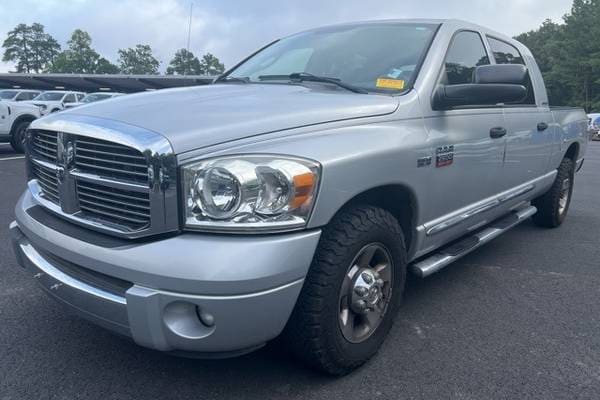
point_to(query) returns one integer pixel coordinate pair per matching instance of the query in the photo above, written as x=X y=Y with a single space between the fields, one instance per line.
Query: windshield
x=8 y=94
x=50 y=96
x=90 y=98
x=378 y=57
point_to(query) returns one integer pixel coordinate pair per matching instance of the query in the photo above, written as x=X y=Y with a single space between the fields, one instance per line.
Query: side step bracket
x=448 y=255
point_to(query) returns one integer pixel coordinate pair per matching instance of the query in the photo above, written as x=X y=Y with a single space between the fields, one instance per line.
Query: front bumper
x=204 y=294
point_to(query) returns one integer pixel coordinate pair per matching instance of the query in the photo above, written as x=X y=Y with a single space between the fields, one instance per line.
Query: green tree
x=210 y=65
x=30 y=47
x=81 y=58
x=184 y=63
x=138 y=60
x=569 y=55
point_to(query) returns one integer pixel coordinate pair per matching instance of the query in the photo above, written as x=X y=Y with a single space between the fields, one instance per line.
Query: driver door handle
x=497 y=133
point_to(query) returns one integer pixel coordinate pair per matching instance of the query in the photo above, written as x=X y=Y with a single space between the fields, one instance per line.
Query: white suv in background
x=18 y=94
x=94 y=97
x=56 y=100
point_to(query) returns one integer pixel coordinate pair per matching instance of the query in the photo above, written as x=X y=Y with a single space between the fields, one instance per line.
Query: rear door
x=529 y=138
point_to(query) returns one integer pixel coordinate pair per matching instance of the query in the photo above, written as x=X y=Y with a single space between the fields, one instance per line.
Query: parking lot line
x=12 y=158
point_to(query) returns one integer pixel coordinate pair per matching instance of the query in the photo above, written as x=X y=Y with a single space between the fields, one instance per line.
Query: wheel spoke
x=365 y=259
x=384 y=271
x=373 y=317
x=347 y=323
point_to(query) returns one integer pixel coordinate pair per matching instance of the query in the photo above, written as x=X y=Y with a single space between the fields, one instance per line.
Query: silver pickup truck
x=293 y=196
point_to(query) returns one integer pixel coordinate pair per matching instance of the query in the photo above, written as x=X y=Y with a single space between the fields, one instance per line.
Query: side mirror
x=493 y=84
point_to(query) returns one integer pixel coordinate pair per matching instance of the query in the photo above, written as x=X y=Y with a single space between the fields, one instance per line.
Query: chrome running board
x=453 y=252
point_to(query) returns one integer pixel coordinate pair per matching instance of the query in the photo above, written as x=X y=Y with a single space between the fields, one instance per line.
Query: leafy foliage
x=81 y=58
x=210 y=65
x=30 y=47
x=184 y=63
x=138 y=60
x=569 y=55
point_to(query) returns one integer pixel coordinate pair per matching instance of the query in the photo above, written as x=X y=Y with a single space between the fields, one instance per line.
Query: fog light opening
x=207 y=319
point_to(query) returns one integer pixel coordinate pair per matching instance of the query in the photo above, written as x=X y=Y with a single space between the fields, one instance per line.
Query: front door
x=467 y=150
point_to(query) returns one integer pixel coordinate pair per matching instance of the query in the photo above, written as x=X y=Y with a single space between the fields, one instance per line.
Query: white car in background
x=15 y=118
x=18 y=94
x=94 y=97
x=594 y=126
x=56 y=100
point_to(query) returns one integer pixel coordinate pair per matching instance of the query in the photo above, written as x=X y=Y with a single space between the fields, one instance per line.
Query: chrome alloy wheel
x=365 y=293
x=565 y=193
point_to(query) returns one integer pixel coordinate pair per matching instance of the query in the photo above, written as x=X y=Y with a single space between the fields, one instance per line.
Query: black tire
x=313 y=332
x=18 y=136
x=551 y=213
x=54 y=110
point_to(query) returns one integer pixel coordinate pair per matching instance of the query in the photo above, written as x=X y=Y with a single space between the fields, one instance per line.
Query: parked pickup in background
x=52 y=101
x=93 y=97
x=294 y=195
x=14 y=121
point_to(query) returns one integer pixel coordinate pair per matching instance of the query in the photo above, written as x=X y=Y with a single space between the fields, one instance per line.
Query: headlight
x=249 y=193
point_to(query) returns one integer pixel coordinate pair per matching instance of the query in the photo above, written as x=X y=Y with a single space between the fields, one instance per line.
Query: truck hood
x=196 y=117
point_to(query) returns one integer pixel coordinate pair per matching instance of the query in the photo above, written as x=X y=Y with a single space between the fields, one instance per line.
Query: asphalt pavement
x=517 y=319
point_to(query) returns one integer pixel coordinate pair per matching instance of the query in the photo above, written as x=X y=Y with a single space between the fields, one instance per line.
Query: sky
x=232 y=29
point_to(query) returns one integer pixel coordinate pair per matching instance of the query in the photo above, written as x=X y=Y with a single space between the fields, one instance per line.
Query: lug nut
x=367 y=278
x=361 y=291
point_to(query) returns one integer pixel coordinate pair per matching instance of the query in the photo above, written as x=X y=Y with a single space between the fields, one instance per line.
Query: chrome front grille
x=119 y=181
x=110 y=160
x=48 y=182
x=44 y=145
x=114 y=205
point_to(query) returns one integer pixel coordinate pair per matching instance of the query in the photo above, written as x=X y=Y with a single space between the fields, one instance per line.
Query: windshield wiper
x=307 y=77
x=227 y=79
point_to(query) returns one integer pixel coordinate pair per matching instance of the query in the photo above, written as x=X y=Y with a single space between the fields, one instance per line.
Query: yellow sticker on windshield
x=386 y=83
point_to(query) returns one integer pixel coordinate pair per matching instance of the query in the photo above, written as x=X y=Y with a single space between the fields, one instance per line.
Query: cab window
x=505 y=53
x=70 y=98
x=466 y=52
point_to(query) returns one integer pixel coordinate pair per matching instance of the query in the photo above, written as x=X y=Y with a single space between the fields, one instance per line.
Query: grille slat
x=97 y=200
x=109 y=200
x=47 y=181
x=87 y=166
x=111 y=192
x=105 y=153
x=44 y=145
x=118 y=217
x=144 y=170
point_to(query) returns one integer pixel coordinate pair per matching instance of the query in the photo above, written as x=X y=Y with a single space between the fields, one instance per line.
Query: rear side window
x=23 y=96
x=466 y=52
x=505 y=53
